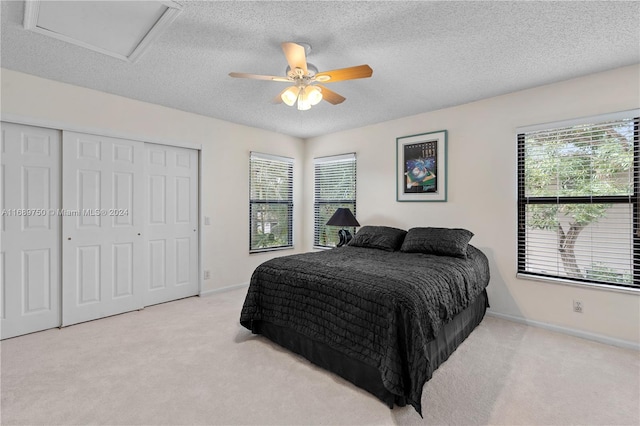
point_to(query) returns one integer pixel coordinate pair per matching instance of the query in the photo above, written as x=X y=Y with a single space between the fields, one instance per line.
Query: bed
x=383 y=311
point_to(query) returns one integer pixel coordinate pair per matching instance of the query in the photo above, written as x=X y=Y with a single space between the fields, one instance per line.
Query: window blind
x=270 y=202
x=578 y=194
x=335 y=187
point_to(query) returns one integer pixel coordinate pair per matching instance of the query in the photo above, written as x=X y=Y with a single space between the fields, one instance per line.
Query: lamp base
x=345 y=237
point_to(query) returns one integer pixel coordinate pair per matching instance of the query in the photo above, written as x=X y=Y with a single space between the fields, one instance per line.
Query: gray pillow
x=441 y=241
x=378 y=237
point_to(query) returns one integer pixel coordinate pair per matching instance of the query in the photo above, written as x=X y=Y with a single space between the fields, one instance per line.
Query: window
x=578 y=192
x=335 y=186
x=270 y=202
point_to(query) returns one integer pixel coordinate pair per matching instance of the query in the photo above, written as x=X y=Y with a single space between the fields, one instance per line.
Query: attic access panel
x=122 y=29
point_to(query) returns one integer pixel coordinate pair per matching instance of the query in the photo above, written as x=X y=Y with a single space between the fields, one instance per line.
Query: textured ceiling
x=425 y=55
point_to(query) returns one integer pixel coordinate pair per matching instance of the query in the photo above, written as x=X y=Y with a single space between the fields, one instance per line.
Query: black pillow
x=441 y=241
x=378 y=237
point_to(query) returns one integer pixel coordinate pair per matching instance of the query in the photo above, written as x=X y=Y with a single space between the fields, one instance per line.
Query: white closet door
x=30 y=244
x=102 y=239
x=171 y=223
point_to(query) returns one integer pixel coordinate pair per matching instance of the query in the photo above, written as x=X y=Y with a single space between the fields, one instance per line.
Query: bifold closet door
x=102 y=240
x=171 y=223
x=30 y=259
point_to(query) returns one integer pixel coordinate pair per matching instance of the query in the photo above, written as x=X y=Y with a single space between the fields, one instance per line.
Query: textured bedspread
x=378 y=307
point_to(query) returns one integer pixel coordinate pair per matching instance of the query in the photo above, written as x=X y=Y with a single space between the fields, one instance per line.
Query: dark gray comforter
x=378 y=307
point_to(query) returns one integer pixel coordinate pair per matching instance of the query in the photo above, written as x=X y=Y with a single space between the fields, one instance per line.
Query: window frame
x=289 y=165
x=633 y=200
x=343 y=202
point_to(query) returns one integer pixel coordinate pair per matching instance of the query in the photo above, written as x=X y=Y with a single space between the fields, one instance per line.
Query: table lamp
x=343 y=217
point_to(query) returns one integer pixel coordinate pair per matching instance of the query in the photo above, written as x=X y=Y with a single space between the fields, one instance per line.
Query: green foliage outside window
x=577 y=163
x=271 y=202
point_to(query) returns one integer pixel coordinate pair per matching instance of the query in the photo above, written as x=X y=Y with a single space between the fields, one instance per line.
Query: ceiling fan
x=305 y=78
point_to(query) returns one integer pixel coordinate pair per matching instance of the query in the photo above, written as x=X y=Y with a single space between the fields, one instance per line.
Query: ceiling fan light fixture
x=290 y=95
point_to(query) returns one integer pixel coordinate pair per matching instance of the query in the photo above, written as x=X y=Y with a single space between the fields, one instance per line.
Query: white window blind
x=270 y=202
x=578 y=194
x=335 y=187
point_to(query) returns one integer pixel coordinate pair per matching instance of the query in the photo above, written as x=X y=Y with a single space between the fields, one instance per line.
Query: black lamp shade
x=343 y=217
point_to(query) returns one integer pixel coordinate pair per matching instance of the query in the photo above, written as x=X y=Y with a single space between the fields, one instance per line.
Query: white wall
x=482 y=190
x=482 y=178
x=225 y=159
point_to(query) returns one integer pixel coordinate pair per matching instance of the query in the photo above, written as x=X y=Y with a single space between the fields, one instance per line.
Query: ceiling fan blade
x=351 y=73
x=296 y=56
x=331 y=96
x=258 y=77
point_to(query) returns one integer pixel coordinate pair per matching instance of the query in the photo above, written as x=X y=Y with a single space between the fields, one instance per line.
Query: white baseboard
x=223 y=289
x=627 y=344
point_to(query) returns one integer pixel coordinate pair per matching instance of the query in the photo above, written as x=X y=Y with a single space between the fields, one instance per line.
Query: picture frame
x=421 y=167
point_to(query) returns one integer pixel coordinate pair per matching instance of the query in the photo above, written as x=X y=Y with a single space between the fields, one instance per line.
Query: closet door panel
x=30 y=241
x=103 y=193
x=171 y=223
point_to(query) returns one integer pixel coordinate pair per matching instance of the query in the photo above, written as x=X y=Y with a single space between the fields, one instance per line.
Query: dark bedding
x=377 y=307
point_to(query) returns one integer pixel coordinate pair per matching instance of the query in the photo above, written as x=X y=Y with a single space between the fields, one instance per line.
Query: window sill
x=592 y=286
x=266 y=250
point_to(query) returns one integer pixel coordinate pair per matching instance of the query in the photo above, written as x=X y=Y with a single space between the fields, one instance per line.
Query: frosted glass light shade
x=303 y=105
x=290 y=95
x=314 y=95
x=303 y=99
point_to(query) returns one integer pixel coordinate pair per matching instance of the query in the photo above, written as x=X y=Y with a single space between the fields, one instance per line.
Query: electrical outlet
x=207 y=220
x=207 y=274
x=577 y=306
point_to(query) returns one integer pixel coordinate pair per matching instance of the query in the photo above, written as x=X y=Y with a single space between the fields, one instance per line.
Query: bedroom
x=481 y=146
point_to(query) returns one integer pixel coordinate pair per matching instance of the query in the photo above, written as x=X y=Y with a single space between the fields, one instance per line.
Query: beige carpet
x=190 y=362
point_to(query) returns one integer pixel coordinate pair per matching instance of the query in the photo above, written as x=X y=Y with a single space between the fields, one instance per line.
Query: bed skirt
x=451 y=335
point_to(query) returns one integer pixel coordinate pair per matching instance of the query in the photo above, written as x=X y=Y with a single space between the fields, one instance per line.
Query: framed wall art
x=421 y=167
